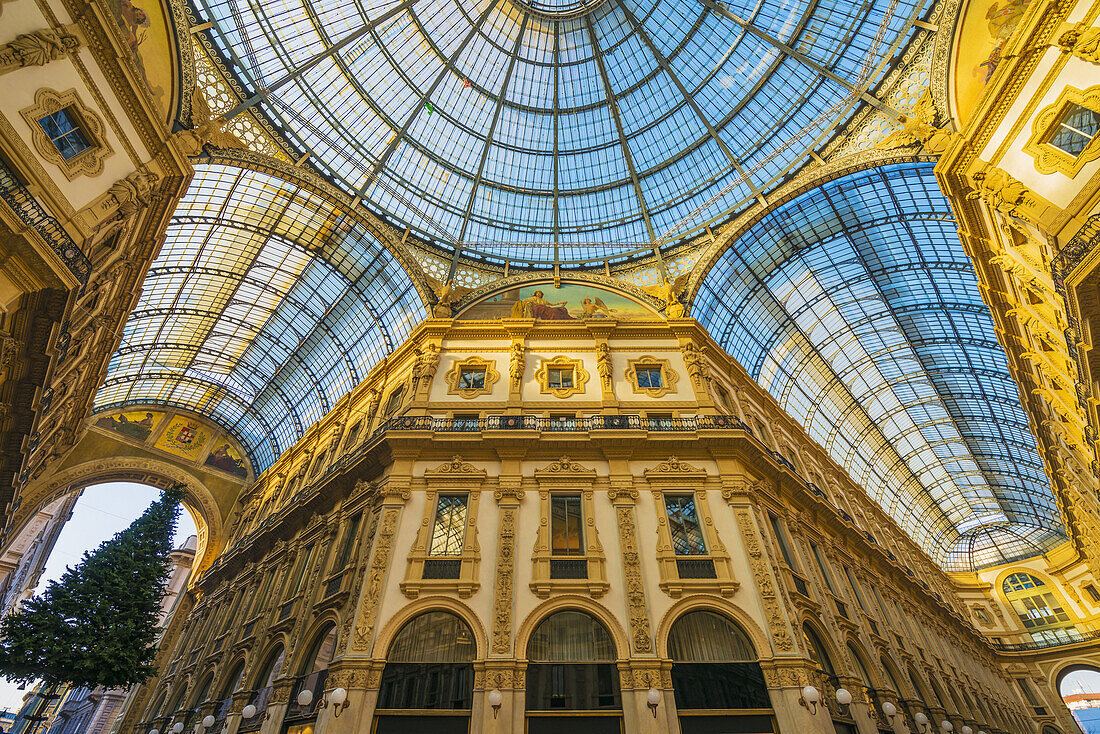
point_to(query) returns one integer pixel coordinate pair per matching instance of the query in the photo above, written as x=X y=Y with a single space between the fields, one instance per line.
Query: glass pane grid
x=248 y=322
x=405 y=131
x=855 y=306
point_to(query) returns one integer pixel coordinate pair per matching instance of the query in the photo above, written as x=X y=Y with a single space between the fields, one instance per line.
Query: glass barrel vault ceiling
x=556 y=129
x=856 y=307
x=265 y=306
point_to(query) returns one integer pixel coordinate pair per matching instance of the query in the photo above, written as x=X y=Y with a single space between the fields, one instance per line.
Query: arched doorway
x=428 y=681
x=572 y=679
x=715 y=669
x=1079 y=687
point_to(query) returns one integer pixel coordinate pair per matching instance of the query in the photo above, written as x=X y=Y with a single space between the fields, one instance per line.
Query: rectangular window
x=353 y=434
x=781 y=539
x=1075 y=129
x=65 y=133
x=1092 y=592
x=449 y=532
x=649 y=376
x=349 y=542
x=823 y=566
x=856 y=591
x=302 y=569
x=261 y=598
x=566 y=533
x=683 y=523
x=471 y=378
x=559 y=377
x=394 y=401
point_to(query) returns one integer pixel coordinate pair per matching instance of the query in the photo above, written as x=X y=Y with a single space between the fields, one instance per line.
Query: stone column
x=786 y=677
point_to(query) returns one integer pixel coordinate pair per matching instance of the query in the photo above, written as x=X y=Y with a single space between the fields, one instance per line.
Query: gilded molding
x=765 y=585
x=641 y=639
x=457 y=465
x=580 y=376
x=376 y=574
x=502 y=592
x=669 y=376
x=1049 y=158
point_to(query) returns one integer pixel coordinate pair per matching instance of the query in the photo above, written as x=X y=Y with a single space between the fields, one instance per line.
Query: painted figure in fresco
x=139 y=429
x=220 y=458
x=591 y=309
x=1003 y=17
x=536 y=306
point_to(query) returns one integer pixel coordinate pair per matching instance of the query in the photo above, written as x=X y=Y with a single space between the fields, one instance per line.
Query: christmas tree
x=96 y=625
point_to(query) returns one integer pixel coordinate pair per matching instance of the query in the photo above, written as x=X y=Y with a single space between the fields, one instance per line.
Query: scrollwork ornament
x=641 y=639
x=372 y=595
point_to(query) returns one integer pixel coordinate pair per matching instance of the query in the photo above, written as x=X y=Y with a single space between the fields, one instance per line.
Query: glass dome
x=556 y=130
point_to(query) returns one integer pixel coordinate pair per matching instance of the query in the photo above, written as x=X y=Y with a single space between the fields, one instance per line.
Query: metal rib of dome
x=265 y=306
x=556 y=130
x=856 y=307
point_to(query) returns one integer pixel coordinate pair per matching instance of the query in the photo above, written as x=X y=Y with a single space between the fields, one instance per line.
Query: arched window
x=926 y=697
x=261 y=693
x=891 y=677
x=202 y=692
x=1039 y=608
x=177 y=699
x=158 y=704
x=429 y=666
x=312 y=674
x=225 y=697
x=818 y=653
x=572 y=669
x=714 y=666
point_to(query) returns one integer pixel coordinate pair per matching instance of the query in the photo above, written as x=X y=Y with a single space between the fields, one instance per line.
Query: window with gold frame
x=561 y=376
x=1064 y=134
x=651 y=376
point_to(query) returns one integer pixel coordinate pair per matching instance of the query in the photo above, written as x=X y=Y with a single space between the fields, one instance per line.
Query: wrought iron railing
x=315 y=684
x=1075 y=638
x=32 y=214
x=259 y=699
x=568 y=568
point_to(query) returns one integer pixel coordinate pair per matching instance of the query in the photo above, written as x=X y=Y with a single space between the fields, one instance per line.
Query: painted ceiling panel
x=856 y=307
x=265 y=306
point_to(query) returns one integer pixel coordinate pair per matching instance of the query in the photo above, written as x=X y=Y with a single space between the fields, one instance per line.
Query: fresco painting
x=570 y=302
x=227 y=458
x=144 y=27
x=986 y=27
x=138 y=424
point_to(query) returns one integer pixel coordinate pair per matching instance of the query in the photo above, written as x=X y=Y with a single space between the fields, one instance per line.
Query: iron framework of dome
x=855 y=306
x=556 y=130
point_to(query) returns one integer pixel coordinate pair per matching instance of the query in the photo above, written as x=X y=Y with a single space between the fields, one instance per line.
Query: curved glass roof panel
x=856 y=307
x=264 y=307
x=529 y=133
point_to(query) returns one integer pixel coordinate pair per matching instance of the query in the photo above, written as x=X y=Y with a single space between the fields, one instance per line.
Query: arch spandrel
x=105 y=455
